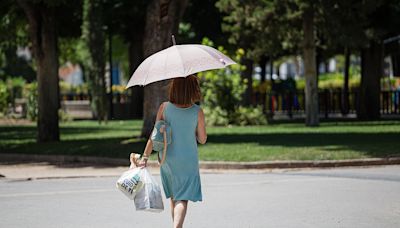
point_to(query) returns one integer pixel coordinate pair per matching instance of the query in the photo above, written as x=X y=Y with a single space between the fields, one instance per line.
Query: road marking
x=55 y=193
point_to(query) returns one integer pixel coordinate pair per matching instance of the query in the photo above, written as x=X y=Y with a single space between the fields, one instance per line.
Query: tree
x=244 y=22
x=94 y=36
x=383 y=22
x=370 y=88
x=162 y=20
x=310 y=74
x=347 y=38
x=194 y=30
x=363 y=27
x=276 y=28
x=43 y=35
x=13 y=35
x=242 y=34
x=127 y=20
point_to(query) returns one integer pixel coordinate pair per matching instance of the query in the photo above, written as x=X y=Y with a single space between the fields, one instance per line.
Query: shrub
x=15 y=87
x=222 y=94
x=216 y=116
x=222 y=89
x=332 y=81
x=119 y=89
x=3 y=97
x=250 y=116
x=66 y=88
x=30 y=93
x=63 y=116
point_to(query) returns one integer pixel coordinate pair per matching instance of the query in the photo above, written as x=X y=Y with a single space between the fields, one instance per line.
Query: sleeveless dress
x=180 y=171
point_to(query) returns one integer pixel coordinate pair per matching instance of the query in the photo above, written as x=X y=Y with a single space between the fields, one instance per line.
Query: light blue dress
x=180 y=172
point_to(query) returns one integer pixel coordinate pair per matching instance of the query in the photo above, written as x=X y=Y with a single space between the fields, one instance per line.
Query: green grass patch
x=330 y=141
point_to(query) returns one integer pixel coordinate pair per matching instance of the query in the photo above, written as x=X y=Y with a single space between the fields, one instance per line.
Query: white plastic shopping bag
x=149 y=197
x=130 y=182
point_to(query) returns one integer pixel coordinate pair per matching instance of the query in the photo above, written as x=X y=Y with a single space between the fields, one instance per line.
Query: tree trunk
x=311 y=88
x=271 y=67
x=162 y=20
x=247 y=76
x=262 y=93
x=135 y=57
x=95 y=39
x=278 y=70
x=42 y=31
x=318 y=61
x=396 y=64
x=345 y=94
x=263 y=64
x=297 y=66
x=371 y=72
x=326 y=66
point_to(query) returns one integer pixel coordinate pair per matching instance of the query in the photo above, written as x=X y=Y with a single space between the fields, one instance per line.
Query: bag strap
x=164 y=150
x=161 y=162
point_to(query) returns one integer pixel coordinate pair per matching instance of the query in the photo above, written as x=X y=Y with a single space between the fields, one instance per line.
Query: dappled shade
x=273 y=142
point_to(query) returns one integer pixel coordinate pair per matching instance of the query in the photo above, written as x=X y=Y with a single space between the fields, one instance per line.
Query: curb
x=103 y=161
x=300 y=164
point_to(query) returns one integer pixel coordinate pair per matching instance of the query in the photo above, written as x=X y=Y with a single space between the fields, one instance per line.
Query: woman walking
x=180 y=171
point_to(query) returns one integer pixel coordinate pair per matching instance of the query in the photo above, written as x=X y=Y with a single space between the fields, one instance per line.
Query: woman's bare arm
x=149 y=144
x=160 y=113
x=201 y=128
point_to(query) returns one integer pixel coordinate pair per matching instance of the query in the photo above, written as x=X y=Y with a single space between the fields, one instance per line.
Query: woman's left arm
x=201 y=128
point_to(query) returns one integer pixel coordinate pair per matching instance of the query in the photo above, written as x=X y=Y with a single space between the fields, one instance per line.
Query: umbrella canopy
x=178 y=61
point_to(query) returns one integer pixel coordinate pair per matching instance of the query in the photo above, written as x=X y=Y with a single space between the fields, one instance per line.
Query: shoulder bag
x=161 y=136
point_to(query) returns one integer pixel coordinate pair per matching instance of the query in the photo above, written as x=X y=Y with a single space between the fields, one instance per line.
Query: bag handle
x=165 y=141
x=164 y=150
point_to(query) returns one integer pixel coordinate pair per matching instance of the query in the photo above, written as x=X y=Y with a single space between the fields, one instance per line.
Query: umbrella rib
x=147 y=73
x=165 y=62
x=208 y=53
x=183 y=65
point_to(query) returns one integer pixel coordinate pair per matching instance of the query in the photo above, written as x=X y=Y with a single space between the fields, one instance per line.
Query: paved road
x=348 y=197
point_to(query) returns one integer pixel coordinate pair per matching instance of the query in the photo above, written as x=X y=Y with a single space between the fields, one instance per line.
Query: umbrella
x=178 y=61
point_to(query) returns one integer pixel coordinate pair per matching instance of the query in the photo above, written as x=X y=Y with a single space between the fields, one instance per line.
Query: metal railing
x=329 y=101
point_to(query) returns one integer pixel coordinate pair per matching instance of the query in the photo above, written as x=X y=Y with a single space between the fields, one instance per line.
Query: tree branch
x=32 y=13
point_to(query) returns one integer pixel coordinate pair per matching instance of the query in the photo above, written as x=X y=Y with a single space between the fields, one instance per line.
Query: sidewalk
x=19 y=166
x=45 y=170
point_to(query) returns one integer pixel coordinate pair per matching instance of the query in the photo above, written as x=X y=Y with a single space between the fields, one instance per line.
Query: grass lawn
x=294 y=141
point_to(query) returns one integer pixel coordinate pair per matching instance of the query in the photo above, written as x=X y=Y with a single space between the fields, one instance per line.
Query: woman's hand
x=143 y=162
x=146 y=154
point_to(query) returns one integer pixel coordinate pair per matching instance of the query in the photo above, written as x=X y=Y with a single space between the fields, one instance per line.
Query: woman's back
x=180 y=172
x=183 y=122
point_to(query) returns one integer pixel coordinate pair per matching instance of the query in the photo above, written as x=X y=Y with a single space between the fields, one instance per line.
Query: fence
x=286 y=103
x=330 y=102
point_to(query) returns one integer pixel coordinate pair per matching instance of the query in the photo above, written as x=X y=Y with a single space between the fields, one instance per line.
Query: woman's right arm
x=149 y=145
x=201 y=128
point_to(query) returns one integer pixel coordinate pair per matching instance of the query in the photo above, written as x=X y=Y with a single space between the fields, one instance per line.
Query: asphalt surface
x=346 y=197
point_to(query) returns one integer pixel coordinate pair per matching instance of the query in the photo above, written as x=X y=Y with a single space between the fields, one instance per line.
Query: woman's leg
x=172 y=208
x=180 y=213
